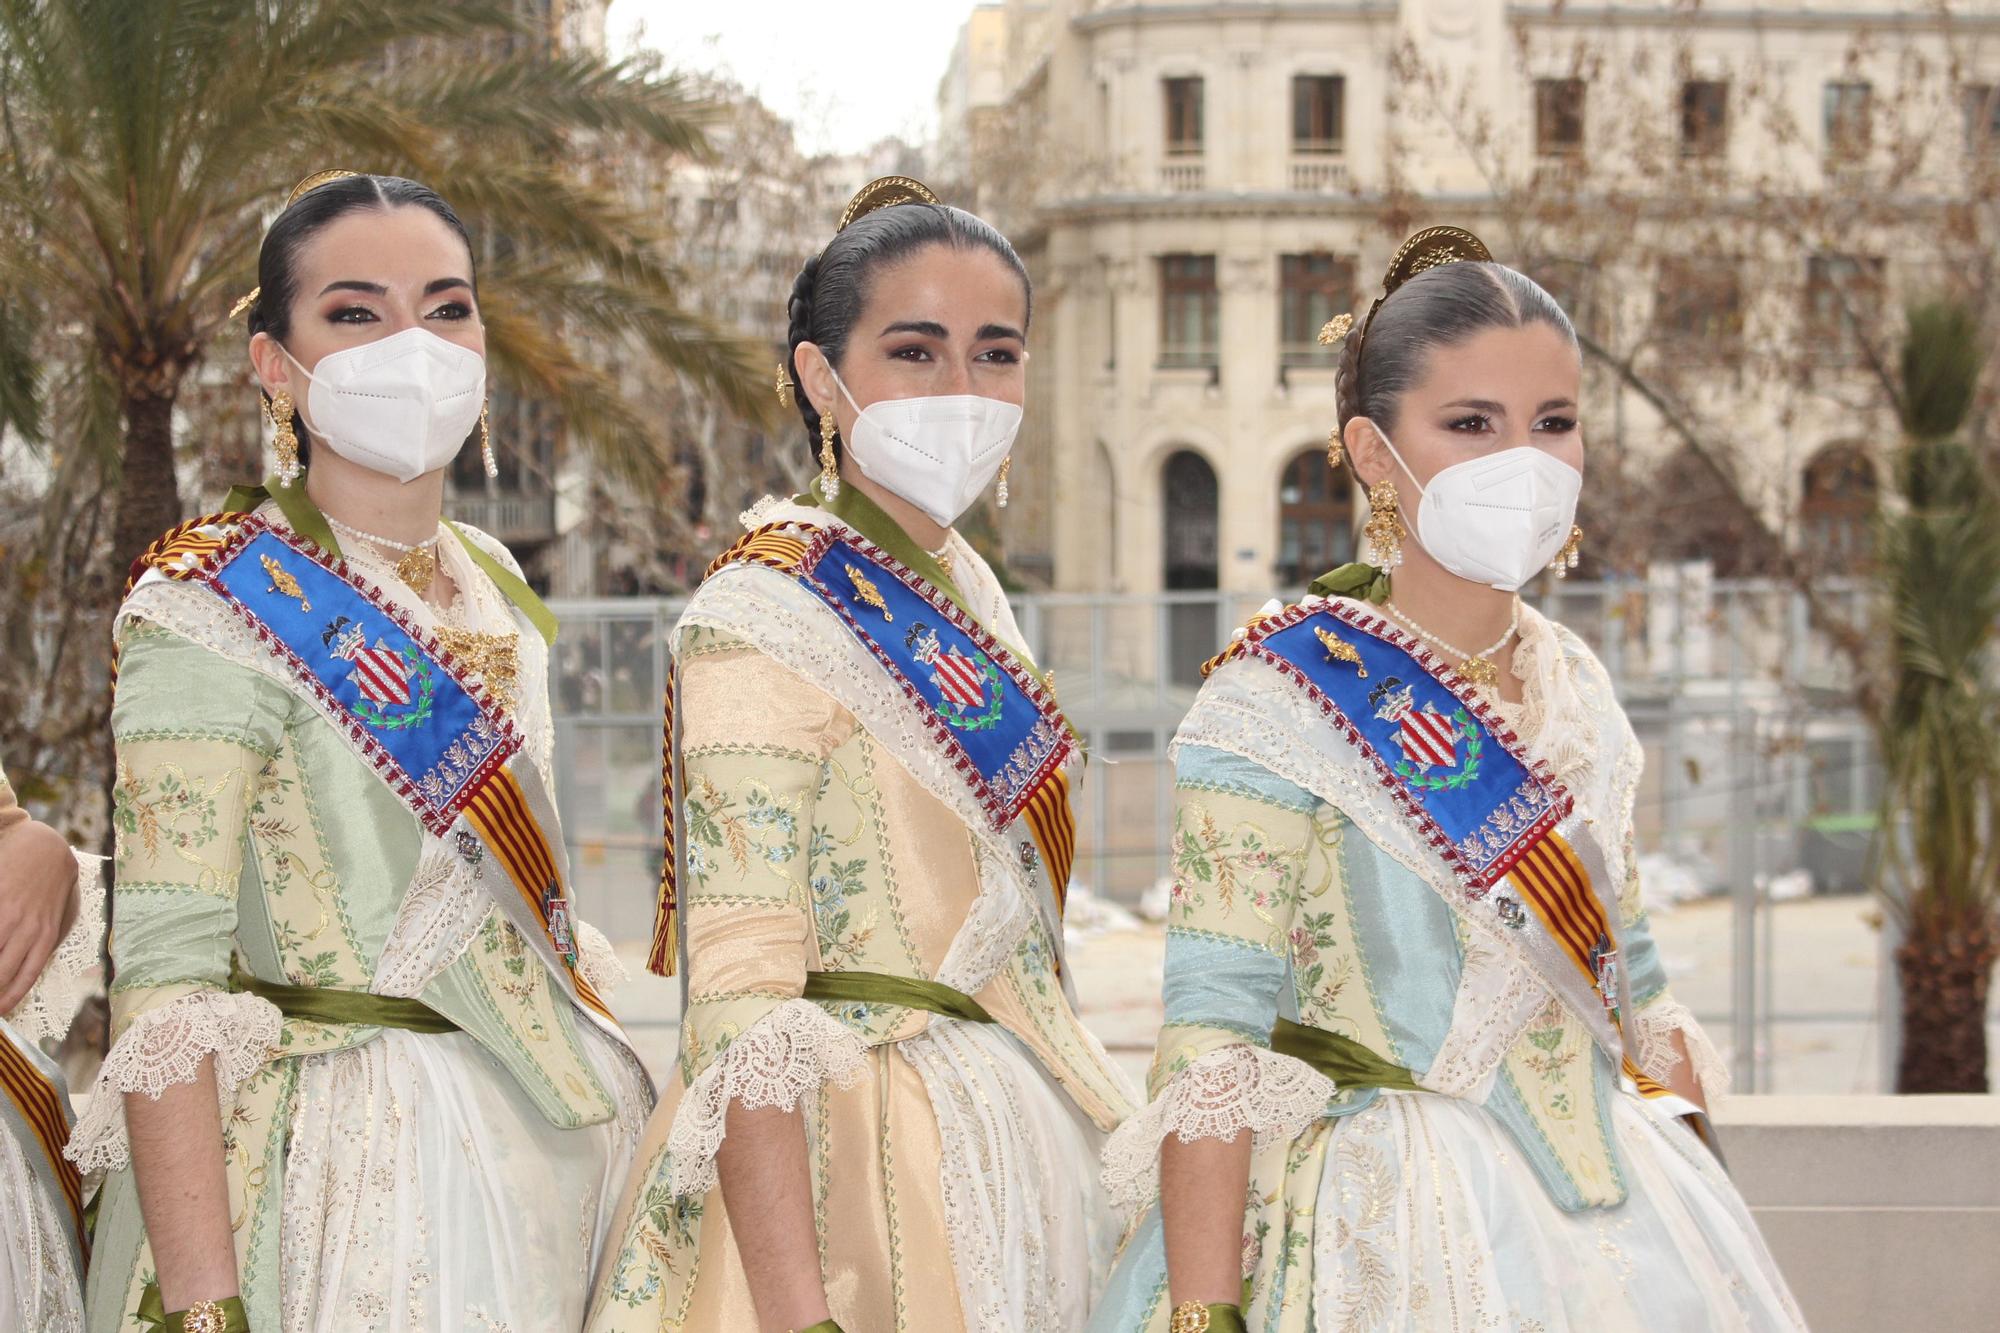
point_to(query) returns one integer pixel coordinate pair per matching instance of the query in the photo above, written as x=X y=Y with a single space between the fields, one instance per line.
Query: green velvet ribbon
x=823 y=1326
x=883 y=988
x=324 y=1004
x=1225 y=1319
x=306 y=520
x=1356 y=580
x=152 y=1312
x=1346 y=1061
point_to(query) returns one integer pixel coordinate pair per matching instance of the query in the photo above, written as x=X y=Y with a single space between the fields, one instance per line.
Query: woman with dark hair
x=362 y=1074
x=1421 y=1068
x=869 y=839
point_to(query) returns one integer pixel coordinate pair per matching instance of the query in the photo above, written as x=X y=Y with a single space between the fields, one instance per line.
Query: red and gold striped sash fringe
x=664 y=956
x=1235 y=649
x=1053 y=823
x=180 y=540
x=1555 y=885
x=499 y=811
x=769 y=545
x=41 y=1106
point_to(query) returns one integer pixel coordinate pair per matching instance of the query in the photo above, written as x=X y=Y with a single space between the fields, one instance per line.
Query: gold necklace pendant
x=418 y=568
x=494 y=658
x=1479 y=672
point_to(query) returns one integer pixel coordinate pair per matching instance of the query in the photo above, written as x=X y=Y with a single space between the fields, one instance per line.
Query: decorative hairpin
x=1433 y=247
x=884 y=192
x=303 y=188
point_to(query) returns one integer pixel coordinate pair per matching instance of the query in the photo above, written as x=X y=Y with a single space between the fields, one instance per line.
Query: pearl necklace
x=1477 y=668
x=943 y=556
x=418 y=565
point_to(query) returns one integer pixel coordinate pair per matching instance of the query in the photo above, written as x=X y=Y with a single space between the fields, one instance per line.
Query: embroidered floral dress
x=41 y=1278
x=1515 y=1179
x=379 y=1178
x=952 y=1162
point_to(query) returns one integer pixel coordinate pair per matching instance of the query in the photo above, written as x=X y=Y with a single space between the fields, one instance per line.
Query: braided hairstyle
x=1440 y=307
x=278 y=259
x=831 y=289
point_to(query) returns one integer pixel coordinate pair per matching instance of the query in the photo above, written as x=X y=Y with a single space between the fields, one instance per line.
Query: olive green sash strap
x=883 y=988
x=323 y=1004
x=1346 y=1061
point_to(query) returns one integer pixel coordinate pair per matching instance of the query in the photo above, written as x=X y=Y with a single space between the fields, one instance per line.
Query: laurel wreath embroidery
x=965 y=721
x=420 y=708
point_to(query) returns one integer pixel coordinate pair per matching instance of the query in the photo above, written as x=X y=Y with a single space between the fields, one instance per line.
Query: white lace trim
x=1656 y=1025
x=782 y=1059
x=50 y=1005
x=166 y=1046
x=437 y=921
x=1217 y=1097
x=597 y=962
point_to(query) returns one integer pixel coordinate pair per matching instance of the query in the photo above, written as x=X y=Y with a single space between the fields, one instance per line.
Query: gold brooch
x=283 y=583
x=1340 y=650
x=1335 y=329
x=494 y=658
x=868 y=593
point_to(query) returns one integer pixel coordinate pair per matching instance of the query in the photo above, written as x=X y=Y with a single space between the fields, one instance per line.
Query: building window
x=1312 y=289
x=1837 y=510
x=1839 y=289
x=1191 y=550
x=1315 y=519
x=1183 y=116
x=1846 y=112
x=1704 y=118
x=1319 y=108
x=1981 y=103
x=1559 y=117
x=1190 y=311
x=1698 y=308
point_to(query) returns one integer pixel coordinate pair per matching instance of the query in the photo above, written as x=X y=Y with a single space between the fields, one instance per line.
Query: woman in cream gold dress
x=886 y=1113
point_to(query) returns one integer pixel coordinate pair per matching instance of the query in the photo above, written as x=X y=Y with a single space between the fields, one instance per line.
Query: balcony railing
x=1181 y=177
x=1319 y=175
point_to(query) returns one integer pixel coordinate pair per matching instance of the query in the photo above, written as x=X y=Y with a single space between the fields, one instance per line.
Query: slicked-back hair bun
x=831 y=289
x=1440 y=307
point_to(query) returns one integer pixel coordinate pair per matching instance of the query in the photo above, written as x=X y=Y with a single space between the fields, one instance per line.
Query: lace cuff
x=1218 y=1096
x=166 y=1046
x=1656 y=1025
x=51 y=1003
x=597 y=962
x=781 y=1059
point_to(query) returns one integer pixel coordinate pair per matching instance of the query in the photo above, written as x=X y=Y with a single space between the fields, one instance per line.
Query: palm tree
x=143 y=145
x=1939 y=729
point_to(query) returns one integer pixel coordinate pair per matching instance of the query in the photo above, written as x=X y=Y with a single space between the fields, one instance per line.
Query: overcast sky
x=844 y=73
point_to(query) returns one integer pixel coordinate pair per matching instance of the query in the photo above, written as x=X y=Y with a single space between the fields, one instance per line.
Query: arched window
x=1837 y=509
x=1193 y=525
x=1315 y=519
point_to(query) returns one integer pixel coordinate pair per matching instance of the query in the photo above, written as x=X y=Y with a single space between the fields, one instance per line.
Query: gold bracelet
x=1189 y=1317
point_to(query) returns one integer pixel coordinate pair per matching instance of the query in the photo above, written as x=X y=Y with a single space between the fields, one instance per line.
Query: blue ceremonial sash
x=34 y=1109
x=1501 y=823
x=990 y=713
x=1438 y=750
x=433 y=737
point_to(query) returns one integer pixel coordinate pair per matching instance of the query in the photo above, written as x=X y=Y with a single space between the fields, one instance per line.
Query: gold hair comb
x=303 y=188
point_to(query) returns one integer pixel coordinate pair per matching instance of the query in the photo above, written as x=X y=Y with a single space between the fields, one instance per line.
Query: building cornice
x=1133 y=15
x=1610 y=16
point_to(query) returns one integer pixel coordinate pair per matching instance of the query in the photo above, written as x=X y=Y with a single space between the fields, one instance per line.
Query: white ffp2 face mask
x=1497 y=520
x=938 y=453
x=401 y=406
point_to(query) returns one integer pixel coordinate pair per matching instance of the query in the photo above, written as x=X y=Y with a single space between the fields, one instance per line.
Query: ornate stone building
x=1733 y=200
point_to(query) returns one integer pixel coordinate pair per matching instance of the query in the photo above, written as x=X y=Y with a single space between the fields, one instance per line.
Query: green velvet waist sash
x=323 y=1004
x=883 y=988
x=1346 y=1061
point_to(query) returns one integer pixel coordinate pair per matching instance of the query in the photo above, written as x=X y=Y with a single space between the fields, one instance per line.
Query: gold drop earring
x=1335 y=452
x=486 y=441
x=1384 y=529
x=285 y=443
x=829 y=462
x=1000 y=495
x=1571 y=552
